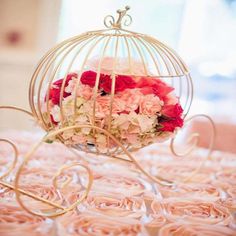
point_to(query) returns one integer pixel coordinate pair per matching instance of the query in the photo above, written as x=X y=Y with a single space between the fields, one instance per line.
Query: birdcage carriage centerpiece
x=110 y=92
x=111 y=80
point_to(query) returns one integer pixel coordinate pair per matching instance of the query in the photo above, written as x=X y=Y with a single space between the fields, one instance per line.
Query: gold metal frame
x=152 y=53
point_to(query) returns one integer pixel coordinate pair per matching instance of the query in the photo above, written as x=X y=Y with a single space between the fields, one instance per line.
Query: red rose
x=127 y=80
x=54 y=93
x=89 y=78
x=105 y=83
x=171 y=124
x=172 y=117
x=172 y=111
x=122 y=82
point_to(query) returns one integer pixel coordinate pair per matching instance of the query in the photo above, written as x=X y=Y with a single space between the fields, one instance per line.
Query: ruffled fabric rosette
x=176 y=229
x=93 y=224
x=15 y=221
x=121 y=202
x=138 y=110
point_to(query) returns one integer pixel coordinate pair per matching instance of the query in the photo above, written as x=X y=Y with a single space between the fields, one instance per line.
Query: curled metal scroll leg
x=193 y=141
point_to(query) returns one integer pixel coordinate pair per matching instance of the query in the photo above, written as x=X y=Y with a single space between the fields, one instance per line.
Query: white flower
x=146 y=123
x=55 y=112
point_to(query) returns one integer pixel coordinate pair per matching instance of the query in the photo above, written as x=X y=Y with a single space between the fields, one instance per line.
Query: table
x=122 y=201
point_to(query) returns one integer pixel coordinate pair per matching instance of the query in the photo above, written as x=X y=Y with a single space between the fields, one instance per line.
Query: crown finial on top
x=109 y=21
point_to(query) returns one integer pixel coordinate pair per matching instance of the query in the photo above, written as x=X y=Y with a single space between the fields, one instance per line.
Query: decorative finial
x=123 y=19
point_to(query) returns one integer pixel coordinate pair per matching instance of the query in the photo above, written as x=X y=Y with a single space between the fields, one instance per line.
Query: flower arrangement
x=138 y=110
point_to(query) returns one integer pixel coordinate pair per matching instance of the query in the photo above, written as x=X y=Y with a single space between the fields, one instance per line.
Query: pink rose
x=150 y=105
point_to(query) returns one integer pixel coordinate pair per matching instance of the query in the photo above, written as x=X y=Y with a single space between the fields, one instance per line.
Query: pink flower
x=84 y=91
x=103 y=105
x=150 y=105
x=130 y=99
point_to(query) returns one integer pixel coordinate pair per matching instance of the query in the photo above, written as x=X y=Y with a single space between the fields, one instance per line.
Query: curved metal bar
x=45 y=60
x=16 y=153
x=10 y=186
x=69 y=47
x=194 y=138
x=18 y=190
x=17 y=109
x=140 y=54
x=109 y=21
x=60 y=209
x=52 y=135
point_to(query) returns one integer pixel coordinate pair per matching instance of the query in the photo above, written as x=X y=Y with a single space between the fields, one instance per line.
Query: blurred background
x=202 y=32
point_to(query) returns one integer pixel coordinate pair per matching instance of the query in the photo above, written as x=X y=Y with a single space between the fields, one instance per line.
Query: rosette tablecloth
x=121 y=201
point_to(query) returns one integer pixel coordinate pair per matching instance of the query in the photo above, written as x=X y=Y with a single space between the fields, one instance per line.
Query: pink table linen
x=122 y=201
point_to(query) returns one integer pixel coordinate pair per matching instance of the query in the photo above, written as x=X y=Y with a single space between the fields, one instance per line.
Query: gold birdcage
x=137 y=54
x=114 y=51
